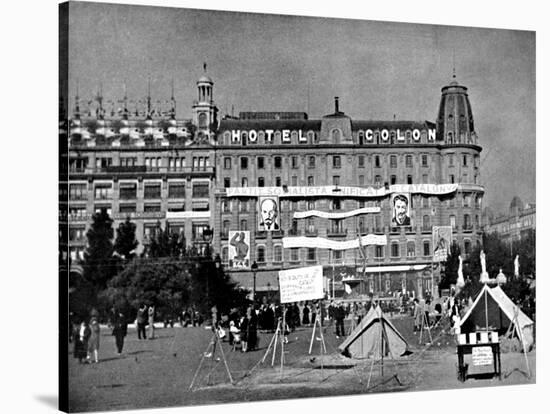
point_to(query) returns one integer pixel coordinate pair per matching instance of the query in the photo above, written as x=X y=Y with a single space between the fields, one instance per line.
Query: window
x=243 y=225
x=261 y=182
x=451 y=160
x=225 y=205
x=379 y=252
x=409 y=179
x=103 y=191
x=336 y=161
x=198 y=231
x=225 y=255
x=260 y=163
x=311 y=254
x=79 y=192
x=426 y=223
x=464 y=160
x=378 y=181
x=294 y=181
x=408 y=161
x=426 y=247
x=467 y=246
x=151 y=191
x=377 y=161
x=466 y=201
x=362 y=225
x=100 y=208
x=361 y=161
x=477 y=221
x=150 y=232
x=361 y=180
x=452 y=178
x=227 y=163
x=244 y=163
x=336 y=226
x=77 y=212
x=378 y=224
x=176 y=190
x=128 y=191
x=77 y=233
x=336 y=180
x=128 y=161
x=393 y=179
x=177 y=164
x=395 y=250
x=424 y=160
x=201 y=190
x=78 y=164
x=294 y=254
x=336 y=204
x=393 y=161
x=310 y=225
x=278 y=182
x=311 y=205
x=103 y=162
x=411 y=249
x=452 y=220
x=127 y=209
x=244 y=182
x=294 y=161
x=310 y=181
x=311 y=161
x=467 y=222
x=226 y=182
x=151 y=208
x=337 y=256
x=243 y=206
x=277 y=162
x=260 y=255
x=278 y=253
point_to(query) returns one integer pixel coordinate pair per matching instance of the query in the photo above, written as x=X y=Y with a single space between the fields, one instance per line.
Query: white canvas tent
x=493 y=310
x=374 y=337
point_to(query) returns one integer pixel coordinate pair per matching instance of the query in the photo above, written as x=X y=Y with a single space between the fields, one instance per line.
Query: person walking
x=151 y=320
x=417 y=315
x=93 y=342
x=141 y=321
x=120 y=328
x=81 y=337
x=339 y=316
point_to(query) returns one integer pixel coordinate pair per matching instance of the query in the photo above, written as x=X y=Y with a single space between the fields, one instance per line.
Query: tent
x=375 y=336
x=493 y=310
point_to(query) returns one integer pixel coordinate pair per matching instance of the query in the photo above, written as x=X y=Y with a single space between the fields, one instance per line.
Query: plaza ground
x=159 y=372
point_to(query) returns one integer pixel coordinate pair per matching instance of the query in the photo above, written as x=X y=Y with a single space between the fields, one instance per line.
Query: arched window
x=243 y=225
x=411 y=249
x=395 y=249
x=335 y=135
x=426 y=226
x=225 y=229
x=202 y=120
x=225 y=255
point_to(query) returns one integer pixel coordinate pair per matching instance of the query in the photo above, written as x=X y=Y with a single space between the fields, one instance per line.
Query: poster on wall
x=442 y=237
x=304 y=283
x=239 y=249
x=400 y=203
x=269 y=218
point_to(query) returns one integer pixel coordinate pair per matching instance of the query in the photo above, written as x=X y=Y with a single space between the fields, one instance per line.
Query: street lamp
x=254 y=268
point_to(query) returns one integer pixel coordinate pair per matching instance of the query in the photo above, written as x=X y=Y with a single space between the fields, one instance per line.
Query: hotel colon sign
x=331 y=185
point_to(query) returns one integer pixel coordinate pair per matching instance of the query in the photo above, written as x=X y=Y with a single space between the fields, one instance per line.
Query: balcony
x=293 y=232
x=337 y=232
x=467 y=227
x=311 y=232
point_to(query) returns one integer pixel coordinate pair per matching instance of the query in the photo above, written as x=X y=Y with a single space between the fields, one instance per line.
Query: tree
x=99 y=264
x=164 y=244
x=451 y=267
x=126 y=243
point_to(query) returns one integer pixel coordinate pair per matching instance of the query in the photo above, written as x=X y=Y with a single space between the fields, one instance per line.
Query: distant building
x=512 y=226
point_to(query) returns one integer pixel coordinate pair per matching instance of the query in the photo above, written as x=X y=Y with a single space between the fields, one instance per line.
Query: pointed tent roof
x=365 y=340
x=493 y=309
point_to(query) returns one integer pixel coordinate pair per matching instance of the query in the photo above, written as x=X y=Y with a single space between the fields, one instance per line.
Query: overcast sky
x=269 y=62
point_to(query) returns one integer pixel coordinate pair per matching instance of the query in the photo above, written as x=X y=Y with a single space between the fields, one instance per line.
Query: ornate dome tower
x=204 y=110
x=455 y=120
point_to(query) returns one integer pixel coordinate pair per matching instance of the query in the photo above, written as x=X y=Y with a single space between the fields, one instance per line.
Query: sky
x=261 y=62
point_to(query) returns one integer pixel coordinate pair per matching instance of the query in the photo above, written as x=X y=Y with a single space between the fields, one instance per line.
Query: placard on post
x=305 y=283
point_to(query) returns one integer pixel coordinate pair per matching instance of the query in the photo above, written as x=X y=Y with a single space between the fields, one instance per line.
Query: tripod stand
x=210 y=352
x=425 y=326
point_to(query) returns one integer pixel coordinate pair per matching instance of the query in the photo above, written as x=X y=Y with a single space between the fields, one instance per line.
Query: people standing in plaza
x=339 y=316
x=305 y=320
x=151 y=320
x=120 y=328
x=81 y=337
x=417 y=315
x=141 y=320
x=93 y=342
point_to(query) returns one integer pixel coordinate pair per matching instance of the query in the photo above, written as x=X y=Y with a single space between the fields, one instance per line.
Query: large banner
x=331 y=191
x=305 y=283
x=239 y=249
x=268 y=208
x=322 y=243
x=328 y=215
x=400 y=203
x=442 y=237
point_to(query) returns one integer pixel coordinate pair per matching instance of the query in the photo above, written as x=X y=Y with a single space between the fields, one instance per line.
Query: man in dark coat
x=339 y=315
x=141 y=321
x=120 y=329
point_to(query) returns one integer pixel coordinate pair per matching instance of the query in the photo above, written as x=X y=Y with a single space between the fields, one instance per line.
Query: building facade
x=281 y=190
x=511 y=227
